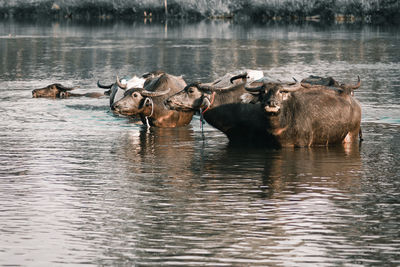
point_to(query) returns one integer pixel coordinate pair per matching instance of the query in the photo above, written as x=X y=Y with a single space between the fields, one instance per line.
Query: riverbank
x=365 y=11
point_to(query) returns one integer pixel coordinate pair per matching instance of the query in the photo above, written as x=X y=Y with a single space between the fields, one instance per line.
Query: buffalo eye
x=135 y=95
x=190 y=91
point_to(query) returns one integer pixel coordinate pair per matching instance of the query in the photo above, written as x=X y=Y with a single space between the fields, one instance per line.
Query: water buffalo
x=148 y=102
x=298 y=116
x=57 y=90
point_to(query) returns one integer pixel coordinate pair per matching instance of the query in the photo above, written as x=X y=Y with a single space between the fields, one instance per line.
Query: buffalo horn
x=306 y=85
x=122 y=86
x=103 y=86
x=240 y=76
x=255 y=89
x=355 y=86
x=63 y=88
x=156 y=93
x=292 y=88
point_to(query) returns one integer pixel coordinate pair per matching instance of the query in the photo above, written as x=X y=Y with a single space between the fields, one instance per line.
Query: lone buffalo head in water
x=57 y=90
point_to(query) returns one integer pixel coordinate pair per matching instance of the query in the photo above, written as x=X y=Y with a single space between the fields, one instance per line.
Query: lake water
x=81 y=186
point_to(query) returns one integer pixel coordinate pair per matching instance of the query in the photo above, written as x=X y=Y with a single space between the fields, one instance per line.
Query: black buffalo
x=222 y=108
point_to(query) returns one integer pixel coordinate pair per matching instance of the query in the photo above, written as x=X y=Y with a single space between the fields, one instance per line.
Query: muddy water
x=81 y=186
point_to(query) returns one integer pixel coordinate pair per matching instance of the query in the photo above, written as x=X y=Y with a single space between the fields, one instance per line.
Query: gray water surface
x=81 y=186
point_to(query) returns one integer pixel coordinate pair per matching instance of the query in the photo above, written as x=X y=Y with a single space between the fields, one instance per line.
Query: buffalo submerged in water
x=314 y=112
x=57 y=90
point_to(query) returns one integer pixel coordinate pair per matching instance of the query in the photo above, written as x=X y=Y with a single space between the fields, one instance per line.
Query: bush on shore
x=372 y=11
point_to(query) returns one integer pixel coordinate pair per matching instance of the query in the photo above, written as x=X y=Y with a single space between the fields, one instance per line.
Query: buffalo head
x=136 y=101
x=54 y=90
x=272 y=94
x=348 y=88
x=195 y=96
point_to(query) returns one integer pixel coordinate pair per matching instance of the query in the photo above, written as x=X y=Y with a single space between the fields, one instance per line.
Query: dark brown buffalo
x=148 y=102
x=314 y=116
x=57 y=90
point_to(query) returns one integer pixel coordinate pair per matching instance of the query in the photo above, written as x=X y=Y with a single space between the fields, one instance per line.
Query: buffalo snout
x=119 y=107
x=273 y=103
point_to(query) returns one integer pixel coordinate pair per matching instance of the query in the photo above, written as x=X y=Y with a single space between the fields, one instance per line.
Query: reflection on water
x=79 y=185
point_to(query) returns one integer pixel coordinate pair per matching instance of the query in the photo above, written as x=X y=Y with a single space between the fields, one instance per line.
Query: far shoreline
x=326 y=13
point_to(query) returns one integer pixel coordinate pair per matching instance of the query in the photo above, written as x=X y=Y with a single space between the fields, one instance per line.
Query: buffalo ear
x=249 y=97
x=255 y=90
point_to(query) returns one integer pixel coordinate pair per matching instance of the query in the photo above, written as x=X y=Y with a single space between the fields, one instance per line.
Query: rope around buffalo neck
x=202 y=121
x=211 y=102
x=148 y=99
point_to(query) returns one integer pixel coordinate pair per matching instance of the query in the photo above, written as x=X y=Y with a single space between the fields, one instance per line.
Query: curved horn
x=103 y=86
x=122 y=86
x=63 y=88
x=255 y=89
x=353 y=86
x=292 y=88
x=156 y=93
x=306 y=85
x=240 y=76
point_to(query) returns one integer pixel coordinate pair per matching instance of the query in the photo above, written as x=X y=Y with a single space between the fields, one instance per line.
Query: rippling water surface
x=81 y=186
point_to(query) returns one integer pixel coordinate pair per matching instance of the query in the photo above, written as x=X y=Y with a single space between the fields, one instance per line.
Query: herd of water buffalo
x=248 y=107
